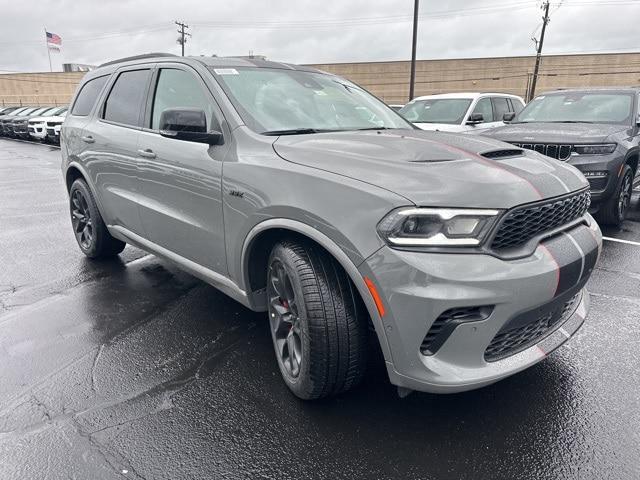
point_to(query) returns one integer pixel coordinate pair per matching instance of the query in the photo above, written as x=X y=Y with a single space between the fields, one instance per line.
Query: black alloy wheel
x=284 y=319
x=81 y=220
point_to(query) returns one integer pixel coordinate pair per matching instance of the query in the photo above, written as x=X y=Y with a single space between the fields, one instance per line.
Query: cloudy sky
x=306 y=31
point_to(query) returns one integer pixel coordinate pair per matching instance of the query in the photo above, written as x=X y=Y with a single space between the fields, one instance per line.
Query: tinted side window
x=176 y=89
x=516 y=105
x=501 y=107
x=125 y=100
x=88 y=96
x=484 y=107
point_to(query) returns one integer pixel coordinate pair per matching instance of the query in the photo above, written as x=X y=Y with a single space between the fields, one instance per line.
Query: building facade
x=390 y=80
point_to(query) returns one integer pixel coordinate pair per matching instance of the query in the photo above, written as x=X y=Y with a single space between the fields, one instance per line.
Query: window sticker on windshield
x=226 y=71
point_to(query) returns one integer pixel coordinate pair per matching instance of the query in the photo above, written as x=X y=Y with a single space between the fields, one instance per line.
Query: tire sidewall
x=96 y=219
x=620 y=191
x=300 y=385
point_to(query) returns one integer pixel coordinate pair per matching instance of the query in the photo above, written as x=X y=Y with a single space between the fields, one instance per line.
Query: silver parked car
x=299 y=194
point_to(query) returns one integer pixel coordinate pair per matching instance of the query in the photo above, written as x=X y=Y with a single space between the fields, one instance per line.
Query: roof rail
x=137 y=57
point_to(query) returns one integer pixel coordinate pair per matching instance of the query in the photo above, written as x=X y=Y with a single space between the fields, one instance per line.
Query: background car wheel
x=614 y=211
x=92 y=235
x=318 y=322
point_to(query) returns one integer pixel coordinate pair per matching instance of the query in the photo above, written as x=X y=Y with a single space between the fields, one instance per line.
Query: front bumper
x=38 y=132
x=417 y=287
x=602 y=186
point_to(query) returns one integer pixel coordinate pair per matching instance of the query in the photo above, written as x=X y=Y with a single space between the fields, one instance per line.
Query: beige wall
x=38 y=88
x=389 y=80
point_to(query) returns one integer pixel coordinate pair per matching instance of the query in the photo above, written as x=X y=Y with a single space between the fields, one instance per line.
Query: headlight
x=437 y=227
x=594 y=149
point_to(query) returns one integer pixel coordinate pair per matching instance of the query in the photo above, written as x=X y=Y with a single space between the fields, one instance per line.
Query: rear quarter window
x=88 y=95
x=124 y=103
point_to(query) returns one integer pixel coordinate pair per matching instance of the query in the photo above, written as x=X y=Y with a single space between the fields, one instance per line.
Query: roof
x=222 y=62
x=465 y=95
x=592 y=89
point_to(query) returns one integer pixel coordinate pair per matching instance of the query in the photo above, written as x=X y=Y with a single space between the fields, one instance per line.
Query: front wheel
x=614 y=211
x=318 y=322
x=91 y=233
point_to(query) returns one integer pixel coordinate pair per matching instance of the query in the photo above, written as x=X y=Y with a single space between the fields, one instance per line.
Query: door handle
x=88 y=139
x=147 y=153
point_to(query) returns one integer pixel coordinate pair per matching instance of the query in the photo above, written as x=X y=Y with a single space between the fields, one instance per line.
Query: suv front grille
x=557 y=151
x=524 y=223
x=509 y=341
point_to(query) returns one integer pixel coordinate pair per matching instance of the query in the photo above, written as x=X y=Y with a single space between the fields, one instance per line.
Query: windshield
x=436 y=110
x=292 y=101
x=580 y=107
x=39 y=111
x=23 y=111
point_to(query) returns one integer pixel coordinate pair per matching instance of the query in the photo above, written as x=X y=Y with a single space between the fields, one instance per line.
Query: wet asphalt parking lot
x=134 y=369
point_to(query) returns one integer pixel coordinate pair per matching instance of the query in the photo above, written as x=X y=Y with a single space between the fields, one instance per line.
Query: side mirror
x=507 y=117
x=475 y=118
x=188 y=124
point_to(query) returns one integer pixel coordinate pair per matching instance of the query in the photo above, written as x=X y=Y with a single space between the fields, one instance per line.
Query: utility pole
x=413 y=48
x=182 y=39
x=545 y=20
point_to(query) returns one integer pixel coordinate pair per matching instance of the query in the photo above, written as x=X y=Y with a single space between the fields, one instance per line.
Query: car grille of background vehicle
x=557 y=151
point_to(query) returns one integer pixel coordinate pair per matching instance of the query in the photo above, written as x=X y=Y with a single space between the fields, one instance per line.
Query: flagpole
x=46 y=43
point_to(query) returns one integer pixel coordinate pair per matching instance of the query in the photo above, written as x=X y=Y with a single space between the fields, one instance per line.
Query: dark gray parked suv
x=298 y=193
x=596 y=130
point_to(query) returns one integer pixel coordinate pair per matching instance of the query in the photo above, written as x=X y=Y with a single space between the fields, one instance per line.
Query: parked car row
x=596 y=130
x=35 y=123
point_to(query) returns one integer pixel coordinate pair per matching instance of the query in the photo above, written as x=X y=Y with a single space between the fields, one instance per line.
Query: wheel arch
x=75 y=171
x=255 y=253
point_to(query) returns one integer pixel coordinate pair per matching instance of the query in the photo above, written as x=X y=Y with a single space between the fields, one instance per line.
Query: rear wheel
x=91 y=233
x=614 y=211
x=318 y=322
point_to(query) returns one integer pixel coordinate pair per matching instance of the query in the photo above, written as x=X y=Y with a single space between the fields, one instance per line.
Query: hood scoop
x=503 y=153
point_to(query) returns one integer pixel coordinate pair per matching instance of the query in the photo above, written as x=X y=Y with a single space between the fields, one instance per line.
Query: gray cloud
x=92 y=31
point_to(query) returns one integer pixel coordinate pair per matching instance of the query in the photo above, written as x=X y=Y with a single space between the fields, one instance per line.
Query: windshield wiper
x=295 y=131
x=567 y=121
x=372 y=128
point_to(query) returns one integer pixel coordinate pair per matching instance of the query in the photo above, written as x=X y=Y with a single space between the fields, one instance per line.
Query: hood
x=9 y=118
x=435 y=168
x=555 y=132
x=21 y=117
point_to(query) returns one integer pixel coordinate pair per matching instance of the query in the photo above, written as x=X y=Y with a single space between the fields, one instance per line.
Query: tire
x=614 y=211
x=91 y=233
x=316 y=313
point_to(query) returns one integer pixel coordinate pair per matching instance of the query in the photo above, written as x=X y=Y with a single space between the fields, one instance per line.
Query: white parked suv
x=461 y=112
x=38 y=125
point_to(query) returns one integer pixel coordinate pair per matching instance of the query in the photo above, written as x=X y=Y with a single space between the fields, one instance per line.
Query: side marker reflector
x=376 y=296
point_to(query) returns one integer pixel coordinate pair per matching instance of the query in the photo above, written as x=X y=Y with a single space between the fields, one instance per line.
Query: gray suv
x=299 y=194
x=597 y=130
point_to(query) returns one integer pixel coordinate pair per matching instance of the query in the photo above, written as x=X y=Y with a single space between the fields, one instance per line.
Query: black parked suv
x=596 y=130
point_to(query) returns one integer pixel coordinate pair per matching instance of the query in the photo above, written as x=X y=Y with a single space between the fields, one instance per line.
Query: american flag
x=54 y=39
